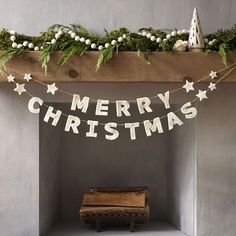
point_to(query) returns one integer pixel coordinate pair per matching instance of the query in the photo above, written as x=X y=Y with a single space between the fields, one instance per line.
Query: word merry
x=111 y=128
x=122 y=106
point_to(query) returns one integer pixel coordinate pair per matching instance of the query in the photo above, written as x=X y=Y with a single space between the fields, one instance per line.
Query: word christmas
x=122 y=109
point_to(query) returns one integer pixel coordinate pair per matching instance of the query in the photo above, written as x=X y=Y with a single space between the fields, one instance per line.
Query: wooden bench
x=115 y=206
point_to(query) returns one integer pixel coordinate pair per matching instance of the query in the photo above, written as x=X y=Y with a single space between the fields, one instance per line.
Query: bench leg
x=132 y=223
x=98 y=226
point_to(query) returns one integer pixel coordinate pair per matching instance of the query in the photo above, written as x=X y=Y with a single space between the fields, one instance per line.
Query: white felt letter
x=122 y=106
x=55 y=116
x=173 y=120
x=72 y=122
x=109 y=127
x=31 y=103
x=188 y=111
x=92 y=124
x=132 y=127
x=165 y=99
x=102 y=108
x=77 y=103
x=144 y=104
x=153 y=127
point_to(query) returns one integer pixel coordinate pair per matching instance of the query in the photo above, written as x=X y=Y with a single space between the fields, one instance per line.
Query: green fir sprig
x=225 y=41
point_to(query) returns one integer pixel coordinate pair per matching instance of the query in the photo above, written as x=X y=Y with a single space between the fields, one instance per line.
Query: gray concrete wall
x=34 y=16
x=50 y=144
x=181 y=177
x=216 y=185
x=19 y=167
x=216 y=149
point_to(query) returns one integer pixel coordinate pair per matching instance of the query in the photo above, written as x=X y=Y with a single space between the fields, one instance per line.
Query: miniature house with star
x=196 y=42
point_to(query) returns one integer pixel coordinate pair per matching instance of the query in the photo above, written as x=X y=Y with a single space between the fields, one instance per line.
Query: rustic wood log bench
x=115 y=206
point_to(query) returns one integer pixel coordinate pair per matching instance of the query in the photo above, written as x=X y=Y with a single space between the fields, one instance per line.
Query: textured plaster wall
x=19 y=184
x=49 y=172
x=216 y=149
x=19 y=167
x=34 y=16
x=181 y=175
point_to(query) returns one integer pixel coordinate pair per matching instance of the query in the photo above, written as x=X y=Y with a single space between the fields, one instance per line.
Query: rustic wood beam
x=124 y=67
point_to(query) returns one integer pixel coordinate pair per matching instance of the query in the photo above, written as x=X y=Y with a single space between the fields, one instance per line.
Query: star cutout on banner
x=213 y=74
x=11 y=78
x=52 y=88
x=20 y=88
x=188 y=86
x=201 y=94
x=27 y=77
x=212 y=86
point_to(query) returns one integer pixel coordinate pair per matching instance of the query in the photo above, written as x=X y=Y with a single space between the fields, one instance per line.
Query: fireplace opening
x=71 y=163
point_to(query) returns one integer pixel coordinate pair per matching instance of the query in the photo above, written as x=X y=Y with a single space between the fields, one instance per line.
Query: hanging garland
x=122 y=107
x=76 y=40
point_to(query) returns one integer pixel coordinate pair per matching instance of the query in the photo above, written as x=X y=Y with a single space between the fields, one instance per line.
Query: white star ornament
x=52 y=88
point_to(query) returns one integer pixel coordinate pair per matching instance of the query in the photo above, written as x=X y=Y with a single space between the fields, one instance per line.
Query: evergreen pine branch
x=4 y=58
x=105 y=55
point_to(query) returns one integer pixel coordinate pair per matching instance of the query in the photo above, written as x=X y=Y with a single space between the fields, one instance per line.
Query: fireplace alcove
x=70 y=164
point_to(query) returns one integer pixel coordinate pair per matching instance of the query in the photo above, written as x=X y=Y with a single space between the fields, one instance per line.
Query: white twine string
x=132 y=100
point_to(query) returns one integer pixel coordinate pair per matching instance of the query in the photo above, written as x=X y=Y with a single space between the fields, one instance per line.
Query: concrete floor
x=150 y=229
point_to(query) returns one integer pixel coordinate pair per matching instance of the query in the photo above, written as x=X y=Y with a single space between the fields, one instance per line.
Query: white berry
x=179 y=32
x=153 y=38
x=173 y=33
x=73 y=35
x=168 y=36
x=124 y=36
x=120 y=39
x=149 y=35
x=13 y=38
x=14 y=45
x=19 y=46
x=53 y=41
x=93 y=45
x=184 y=31
x=206 y=40
x=158 y=40
x=210 y=43
x=164 y=40
x=77 y=38
x=87 y=41
x=70 y=32
x=41 y=48
x=36 y=48
x=57 y=36
x=100 y=47
x=107 y=45
x=60 y=32
x=25 y=43
x=12 y=32
x=144 y=33
x=30 y=45
x=113 y=42
x=82 y=39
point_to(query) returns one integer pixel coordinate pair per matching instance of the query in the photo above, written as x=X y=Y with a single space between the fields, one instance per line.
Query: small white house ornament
x=195 y=41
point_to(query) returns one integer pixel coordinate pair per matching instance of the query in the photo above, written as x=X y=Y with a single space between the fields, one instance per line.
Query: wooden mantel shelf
x=124 y=67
